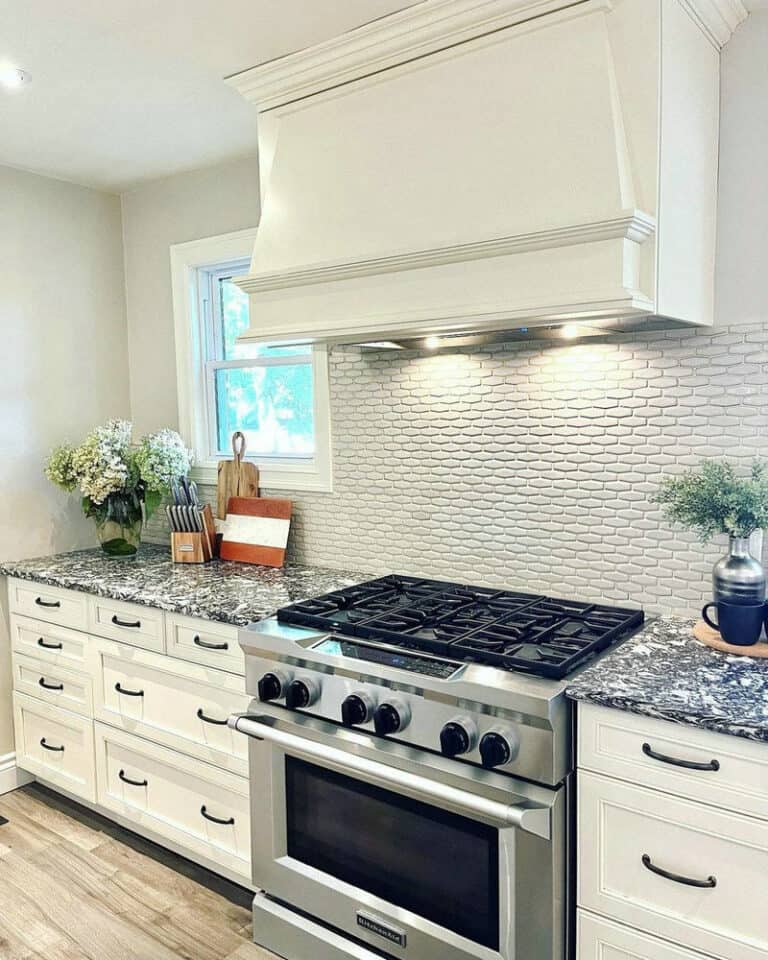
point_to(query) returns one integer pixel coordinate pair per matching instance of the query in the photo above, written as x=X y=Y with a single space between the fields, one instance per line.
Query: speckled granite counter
x=663 y=672
x=234 y=593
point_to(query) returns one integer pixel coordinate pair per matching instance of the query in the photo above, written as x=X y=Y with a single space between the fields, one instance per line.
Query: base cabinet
x=105 y=714
x=672 y=841
x=197 y=806
x=601 y=939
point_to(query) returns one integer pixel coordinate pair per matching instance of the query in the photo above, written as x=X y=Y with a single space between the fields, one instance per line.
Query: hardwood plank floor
x=74 y=886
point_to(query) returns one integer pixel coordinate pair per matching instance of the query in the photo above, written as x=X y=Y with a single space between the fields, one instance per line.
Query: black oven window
x=441 y=866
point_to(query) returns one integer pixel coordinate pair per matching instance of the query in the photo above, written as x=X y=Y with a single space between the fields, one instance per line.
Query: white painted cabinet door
x=601 y=939
x=180 y=705
x=55 y=745
x=203 y=809
x=637 y=849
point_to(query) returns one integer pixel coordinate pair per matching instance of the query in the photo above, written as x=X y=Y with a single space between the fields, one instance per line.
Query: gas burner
x=502 y=628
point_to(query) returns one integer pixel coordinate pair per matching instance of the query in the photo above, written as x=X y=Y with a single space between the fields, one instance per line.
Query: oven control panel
x=478 y=737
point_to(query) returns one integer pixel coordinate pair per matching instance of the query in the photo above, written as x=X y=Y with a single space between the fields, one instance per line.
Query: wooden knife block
x=195 y=547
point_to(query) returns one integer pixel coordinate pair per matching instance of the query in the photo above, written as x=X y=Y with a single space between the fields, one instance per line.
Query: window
x=276 y=395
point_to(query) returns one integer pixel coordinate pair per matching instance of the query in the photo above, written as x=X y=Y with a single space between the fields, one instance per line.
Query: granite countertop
x=230 y=592
x=664 y=672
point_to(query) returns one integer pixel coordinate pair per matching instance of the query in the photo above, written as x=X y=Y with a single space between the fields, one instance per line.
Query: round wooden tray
x=711 y=638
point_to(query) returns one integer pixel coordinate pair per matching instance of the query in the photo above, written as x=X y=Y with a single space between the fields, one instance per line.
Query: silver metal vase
x=738 y=577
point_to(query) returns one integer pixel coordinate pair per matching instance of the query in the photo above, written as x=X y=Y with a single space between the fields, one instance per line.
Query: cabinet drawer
x=180 y=705
x=127 y=622
x=729 y=772
x=621 y=826
x=203 y=641
x=61 y=686
x=48 y=642
x=52 y=604
x=601 y=939
x=176 y=797
x=41 y=732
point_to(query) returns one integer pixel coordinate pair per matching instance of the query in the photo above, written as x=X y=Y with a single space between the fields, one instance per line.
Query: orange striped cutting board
x=256 y=530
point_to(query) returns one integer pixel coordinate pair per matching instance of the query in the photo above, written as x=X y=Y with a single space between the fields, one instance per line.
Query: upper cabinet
x=486 y=165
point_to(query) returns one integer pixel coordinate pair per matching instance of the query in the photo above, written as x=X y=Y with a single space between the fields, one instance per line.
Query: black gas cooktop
x=514 y=631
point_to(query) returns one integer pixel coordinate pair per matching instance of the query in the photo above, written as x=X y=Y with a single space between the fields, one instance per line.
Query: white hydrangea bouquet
x=121 y=482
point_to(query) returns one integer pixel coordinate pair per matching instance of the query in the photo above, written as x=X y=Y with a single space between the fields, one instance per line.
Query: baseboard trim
x=11 y=776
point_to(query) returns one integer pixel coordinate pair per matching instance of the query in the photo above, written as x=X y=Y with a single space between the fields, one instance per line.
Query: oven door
x=417 y=856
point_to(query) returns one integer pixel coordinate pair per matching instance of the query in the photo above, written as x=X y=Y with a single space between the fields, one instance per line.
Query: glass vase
x=119 y=524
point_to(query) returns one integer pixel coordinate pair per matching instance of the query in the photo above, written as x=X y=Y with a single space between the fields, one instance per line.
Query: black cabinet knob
x=495 y=751
x=454 y=740
x=270 y=687
x=355 y=710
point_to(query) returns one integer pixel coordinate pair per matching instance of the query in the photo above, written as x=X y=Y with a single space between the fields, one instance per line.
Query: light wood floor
x=74 y=886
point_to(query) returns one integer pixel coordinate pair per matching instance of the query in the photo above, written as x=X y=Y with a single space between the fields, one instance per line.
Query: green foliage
x=714 y=500
x=114 y=476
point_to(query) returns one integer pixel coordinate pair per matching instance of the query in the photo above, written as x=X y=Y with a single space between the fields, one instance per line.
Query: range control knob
x=272 y=686
x=391 y=717
x=498 y=748
x=302 y=693
x=357 y=708
x=457 y=737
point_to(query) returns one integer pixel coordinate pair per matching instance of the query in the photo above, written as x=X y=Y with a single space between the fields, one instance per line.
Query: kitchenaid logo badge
x=392 y=934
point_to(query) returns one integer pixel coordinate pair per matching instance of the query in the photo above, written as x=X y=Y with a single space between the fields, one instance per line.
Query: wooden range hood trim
x=632 y=225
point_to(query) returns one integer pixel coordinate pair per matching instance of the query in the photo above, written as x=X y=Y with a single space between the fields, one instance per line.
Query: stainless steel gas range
x=411 y=767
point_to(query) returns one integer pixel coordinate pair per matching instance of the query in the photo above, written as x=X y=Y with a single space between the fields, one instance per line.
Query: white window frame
x=294 y=473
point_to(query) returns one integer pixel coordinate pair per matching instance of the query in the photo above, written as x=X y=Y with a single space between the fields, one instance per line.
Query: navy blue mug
x=740 y=624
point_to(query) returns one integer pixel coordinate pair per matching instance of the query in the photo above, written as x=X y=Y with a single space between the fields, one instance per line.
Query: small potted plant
x=121 y=483
x=713 y=500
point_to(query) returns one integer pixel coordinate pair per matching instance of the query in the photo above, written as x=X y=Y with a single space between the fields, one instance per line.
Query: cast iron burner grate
x=502 y=628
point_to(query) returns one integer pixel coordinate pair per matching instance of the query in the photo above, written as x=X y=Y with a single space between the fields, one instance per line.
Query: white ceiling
x=128 y=90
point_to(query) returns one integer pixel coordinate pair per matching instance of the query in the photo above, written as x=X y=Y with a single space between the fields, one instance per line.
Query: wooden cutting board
x=235 y=477
x=256 y=530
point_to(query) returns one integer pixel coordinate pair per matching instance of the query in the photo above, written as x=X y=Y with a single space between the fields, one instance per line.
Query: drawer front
x=621 y=826
x=177 y=797
x=601 y=939
x=728 y=772
x=68 y=608
x=202 y=641
x=180 y=705
x=128 y=622
x=47 y=642
x=41 y=732
x=65 y=688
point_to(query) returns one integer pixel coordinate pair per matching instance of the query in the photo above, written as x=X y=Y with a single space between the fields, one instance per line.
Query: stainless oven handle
x=526 y=815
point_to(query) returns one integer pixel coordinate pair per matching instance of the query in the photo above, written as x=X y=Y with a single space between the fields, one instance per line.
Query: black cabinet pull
x=128 y=693
x=47 y=746
x=54 y=604
x=48 y=646
x=133 y=783
x=712 y=765
x=216 y=723
x=224 y=823
x=126 y=623
x=688 y=881
x=210 y=646
x=50 y=686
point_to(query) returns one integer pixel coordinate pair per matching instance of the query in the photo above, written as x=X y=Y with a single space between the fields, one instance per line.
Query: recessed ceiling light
x=12 y=77
x=570 y=331
x=432 y=343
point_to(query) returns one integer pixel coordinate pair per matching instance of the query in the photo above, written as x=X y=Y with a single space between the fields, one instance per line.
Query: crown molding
x=417 y=31
x=717 y=18
x=632 y=225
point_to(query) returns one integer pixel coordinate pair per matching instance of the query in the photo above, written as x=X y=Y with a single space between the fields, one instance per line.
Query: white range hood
x=482 y=165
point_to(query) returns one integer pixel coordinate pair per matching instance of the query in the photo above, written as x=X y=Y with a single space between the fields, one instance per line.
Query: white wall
x=188 y=206
x=62 y=366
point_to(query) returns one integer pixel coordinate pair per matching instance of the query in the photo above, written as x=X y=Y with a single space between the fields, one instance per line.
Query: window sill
x=304 y=478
